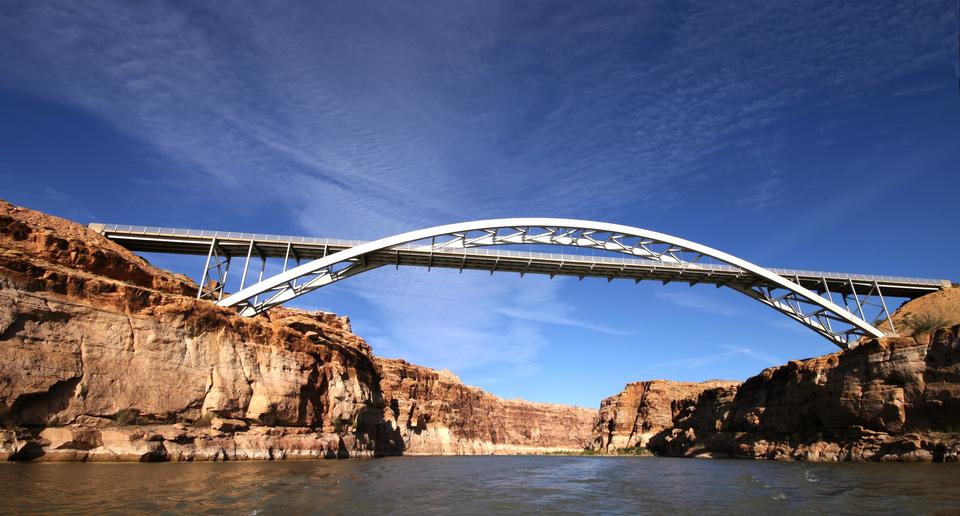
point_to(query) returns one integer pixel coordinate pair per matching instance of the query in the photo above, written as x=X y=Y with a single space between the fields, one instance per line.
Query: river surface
x=483 y=485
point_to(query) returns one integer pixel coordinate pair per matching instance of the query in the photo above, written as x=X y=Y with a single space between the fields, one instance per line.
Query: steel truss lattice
x=214 y=278
x=838 y=324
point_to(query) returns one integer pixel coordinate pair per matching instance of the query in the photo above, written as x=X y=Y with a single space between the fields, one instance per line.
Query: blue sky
x=818 y=135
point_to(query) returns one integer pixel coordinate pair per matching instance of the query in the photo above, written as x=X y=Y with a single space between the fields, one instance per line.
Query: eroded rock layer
x=436 y=413
x=642 y=410
x=896 y=398
x=104 y=357
x=887 y=399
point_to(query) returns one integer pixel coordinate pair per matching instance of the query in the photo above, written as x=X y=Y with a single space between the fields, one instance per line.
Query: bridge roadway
x=261 y=246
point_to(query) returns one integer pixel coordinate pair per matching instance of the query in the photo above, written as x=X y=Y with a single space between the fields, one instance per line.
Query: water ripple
x=482 y=485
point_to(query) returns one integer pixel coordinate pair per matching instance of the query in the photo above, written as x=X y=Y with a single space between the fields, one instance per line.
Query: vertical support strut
x=246 y=264
x=263 y=265
x=223 y=285
x=884 y=304
x=206 y=268
x=857 y=299
x=218 y=259
x=296 y=257
x=826 y=289
x=286 y=256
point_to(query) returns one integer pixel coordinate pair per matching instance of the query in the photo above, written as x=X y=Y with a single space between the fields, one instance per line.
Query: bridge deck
x=233 y=244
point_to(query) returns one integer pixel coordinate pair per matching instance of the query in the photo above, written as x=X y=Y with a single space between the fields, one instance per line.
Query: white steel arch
x=822 y=315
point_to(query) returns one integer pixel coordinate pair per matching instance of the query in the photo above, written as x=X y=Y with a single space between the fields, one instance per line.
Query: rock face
x=642 y=410
x=104 y=357
x=896 y=398
x=939 y=309
x=887 y=399
x=436 y=413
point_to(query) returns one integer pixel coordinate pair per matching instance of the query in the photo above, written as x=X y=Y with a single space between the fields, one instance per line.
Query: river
x=483 y=485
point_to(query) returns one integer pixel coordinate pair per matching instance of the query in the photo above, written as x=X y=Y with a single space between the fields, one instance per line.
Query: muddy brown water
x=483 y=485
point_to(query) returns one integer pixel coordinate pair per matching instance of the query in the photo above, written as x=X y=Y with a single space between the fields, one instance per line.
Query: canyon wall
x=629 y=420
x=437 y=414
x=895 y=398
x=104 y=357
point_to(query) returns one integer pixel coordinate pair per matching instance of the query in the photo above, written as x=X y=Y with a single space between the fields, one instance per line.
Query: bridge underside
x=835 y=305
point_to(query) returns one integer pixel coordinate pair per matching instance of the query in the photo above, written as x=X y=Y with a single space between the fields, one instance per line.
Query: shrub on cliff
x=204 y=420
x=126 y=417
x=342 y=427
x=924 y=323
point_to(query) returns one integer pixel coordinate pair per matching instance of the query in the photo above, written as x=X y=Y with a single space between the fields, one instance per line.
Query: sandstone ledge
x=174 y=443
x=890 y=399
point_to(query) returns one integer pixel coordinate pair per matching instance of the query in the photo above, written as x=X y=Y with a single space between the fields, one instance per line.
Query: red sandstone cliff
x=894 y=398
x=104 y=357
x=436 y=413
x=642 y=410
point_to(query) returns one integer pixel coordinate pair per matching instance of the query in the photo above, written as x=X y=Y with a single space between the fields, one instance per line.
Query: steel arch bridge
x=805 y=296
x=795 y=301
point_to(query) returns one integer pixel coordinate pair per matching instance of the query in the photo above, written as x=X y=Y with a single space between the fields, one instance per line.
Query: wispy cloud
x=764 y=193
x=22 y=189
x=918 y=90
x=401 y=116
x=547 y=317
x=728 y=354
x=735 y=351
x=699 y=301
x=361 y=122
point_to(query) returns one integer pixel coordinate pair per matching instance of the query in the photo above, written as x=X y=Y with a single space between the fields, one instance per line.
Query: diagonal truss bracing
x=669 y=259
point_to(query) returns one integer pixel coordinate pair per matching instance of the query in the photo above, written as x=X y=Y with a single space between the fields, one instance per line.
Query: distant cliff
x=627 y=421
x=105 y=357
x=895 y=398
x=437 y=414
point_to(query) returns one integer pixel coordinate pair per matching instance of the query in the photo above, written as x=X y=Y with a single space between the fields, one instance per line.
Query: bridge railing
x=220 y=235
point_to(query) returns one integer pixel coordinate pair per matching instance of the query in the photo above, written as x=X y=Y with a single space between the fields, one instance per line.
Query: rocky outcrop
x=105 y=357
x=436 y=414
x=90 y=332
x=103 y=441
x=887 y=399
x=921 y=315
x=642 y=410
x=895 y=398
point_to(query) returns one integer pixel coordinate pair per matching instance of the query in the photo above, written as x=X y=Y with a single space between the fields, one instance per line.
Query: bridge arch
x=657 y=250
